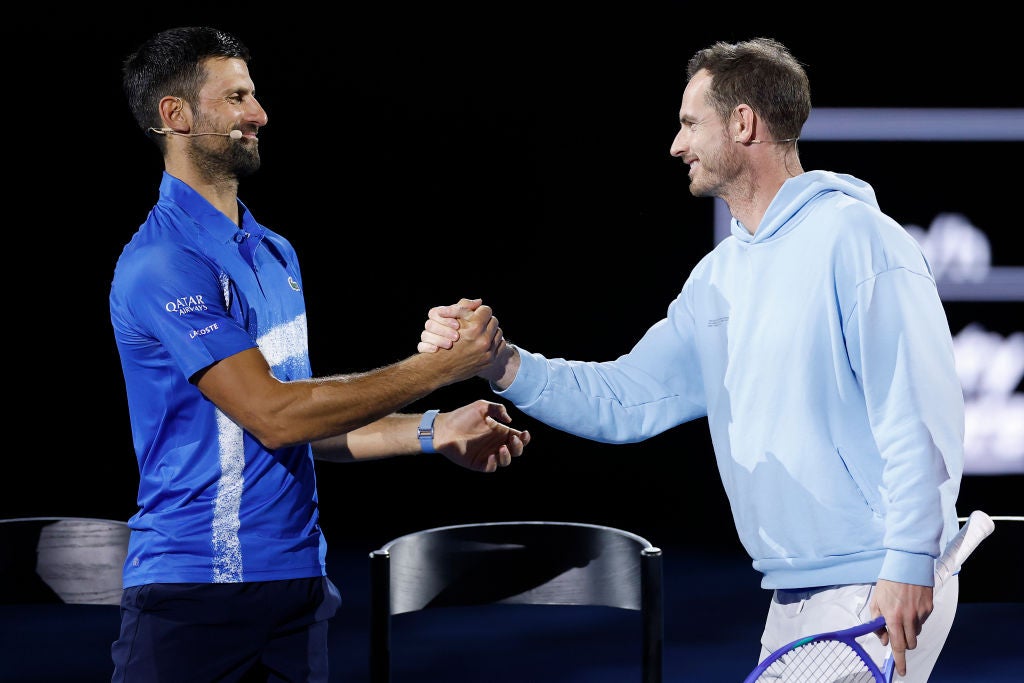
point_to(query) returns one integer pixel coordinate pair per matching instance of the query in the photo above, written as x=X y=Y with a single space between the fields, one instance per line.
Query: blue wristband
x=425 y=432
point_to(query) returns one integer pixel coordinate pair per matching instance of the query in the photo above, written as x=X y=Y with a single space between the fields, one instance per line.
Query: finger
x=446 y=327
x=430 y=343
x=900 y=661
x=911 y=637
x=442 y=341
x=899 y=651
x=449 y=316
x=499 y=412
x=882 y=632
x=496 y=426
x=445 y=316
x=481 y=313
x=492 y=331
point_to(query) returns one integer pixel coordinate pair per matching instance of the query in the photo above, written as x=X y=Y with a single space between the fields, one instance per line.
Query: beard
x=224 y=158
x=718 y=168
x=244 y=157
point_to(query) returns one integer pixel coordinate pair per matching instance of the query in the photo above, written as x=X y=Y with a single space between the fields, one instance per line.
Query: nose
x=256 y=113
x=680 y=143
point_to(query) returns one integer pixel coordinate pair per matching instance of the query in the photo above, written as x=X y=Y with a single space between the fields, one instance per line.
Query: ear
x=173 y=114
x=743 y=124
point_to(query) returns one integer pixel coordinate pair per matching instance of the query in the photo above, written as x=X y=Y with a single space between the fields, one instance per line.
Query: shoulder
x=158 y=258
x=281 y=243
x=869 y=242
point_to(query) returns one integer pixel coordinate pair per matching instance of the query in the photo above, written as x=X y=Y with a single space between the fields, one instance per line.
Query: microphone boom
x=234 y=135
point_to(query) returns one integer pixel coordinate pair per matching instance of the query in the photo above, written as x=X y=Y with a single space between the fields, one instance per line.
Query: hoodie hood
x=794 y=195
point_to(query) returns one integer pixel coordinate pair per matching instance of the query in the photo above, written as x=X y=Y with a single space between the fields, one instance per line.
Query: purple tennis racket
x=836 y=655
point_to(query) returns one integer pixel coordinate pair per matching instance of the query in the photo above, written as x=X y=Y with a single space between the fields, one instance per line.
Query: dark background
x=415 y=156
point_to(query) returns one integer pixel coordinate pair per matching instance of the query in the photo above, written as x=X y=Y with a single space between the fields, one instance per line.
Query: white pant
x=795 y=614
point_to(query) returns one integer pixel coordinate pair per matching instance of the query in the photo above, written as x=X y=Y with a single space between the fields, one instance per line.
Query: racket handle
x=977 y=527
x=889 y=670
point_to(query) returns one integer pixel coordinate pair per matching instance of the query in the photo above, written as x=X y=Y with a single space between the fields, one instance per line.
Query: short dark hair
x=761 y=73
x=172 y=63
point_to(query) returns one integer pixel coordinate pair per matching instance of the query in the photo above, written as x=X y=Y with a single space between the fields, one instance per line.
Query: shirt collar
x=206 y=215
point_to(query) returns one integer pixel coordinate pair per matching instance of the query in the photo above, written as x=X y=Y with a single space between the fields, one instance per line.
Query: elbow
x=270 y=432
x=271 y=441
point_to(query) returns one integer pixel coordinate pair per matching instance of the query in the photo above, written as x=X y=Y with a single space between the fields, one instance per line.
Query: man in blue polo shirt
x=225 y=577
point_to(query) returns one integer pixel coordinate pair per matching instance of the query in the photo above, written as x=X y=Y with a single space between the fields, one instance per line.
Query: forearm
x=286 y=413
x=303 y=411
x=475 y=436
x=346 y=404
x=389 y=436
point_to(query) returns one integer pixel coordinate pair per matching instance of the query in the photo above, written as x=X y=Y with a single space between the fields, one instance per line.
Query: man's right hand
x=442 y=330
x=478 y=346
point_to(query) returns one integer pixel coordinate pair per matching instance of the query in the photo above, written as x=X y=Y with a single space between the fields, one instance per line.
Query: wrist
x=506 y=368
x=425 y=431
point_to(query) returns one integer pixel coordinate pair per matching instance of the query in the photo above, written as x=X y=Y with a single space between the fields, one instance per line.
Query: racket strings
x=820 y=661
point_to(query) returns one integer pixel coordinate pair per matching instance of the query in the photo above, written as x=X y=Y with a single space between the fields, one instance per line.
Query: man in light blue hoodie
x=814 y=341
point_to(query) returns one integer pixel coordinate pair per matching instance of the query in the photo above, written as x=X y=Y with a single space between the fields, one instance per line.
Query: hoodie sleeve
x=654 y=387
x=900 y=347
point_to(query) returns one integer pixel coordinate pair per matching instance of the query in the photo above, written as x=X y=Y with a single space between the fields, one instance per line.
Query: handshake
x=470 y=329
x=463 y=341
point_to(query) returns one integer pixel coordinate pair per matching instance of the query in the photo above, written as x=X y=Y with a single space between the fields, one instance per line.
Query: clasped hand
x=446 y=325
x=479 y=438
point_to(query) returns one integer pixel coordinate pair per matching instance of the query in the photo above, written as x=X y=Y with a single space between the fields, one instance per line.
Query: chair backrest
x=62 y=560
x=533 y=563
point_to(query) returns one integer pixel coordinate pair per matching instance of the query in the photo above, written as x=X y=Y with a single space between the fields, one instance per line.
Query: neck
x=220 y=190
x=753 y=192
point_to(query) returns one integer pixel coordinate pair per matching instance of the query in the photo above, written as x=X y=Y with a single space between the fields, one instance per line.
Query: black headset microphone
x=234 y=135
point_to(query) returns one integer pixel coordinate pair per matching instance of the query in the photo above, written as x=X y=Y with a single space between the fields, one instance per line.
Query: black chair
x=526 y=563
x=73 y=560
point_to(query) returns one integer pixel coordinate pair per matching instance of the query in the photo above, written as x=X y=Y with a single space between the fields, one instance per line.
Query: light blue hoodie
x=820 y=353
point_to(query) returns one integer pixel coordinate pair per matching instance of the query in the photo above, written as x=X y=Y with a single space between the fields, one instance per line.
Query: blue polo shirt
x=189 y=289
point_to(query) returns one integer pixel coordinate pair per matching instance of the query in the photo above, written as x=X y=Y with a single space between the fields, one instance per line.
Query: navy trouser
x=226 y=632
